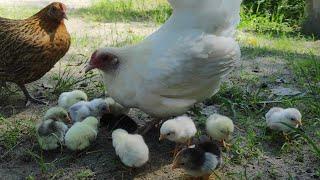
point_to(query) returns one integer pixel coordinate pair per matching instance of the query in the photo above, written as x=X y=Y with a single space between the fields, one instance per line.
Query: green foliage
x=128 y=10
x=68 y=77
x=272 y=16
x=12 y=131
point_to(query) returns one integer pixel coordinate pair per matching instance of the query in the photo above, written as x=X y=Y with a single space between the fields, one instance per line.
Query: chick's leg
x=226 y=145
x=29 y=97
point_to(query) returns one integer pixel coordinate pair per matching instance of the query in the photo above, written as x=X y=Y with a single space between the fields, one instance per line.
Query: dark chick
x=29 y=48
x=200 y=161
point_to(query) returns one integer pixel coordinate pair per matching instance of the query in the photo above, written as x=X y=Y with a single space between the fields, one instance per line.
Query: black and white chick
x=51 y=130
x=199 y=161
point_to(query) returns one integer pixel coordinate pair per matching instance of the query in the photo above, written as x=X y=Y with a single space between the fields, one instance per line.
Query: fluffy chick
x=131 y=148
x=220 y=128
x=57 y=114
x=179 y=130
x=116 y=108
x=81 y=134
x=277 y=116
x=50 y=134
x=199 y=161
x=67 y=99
x=83 y=109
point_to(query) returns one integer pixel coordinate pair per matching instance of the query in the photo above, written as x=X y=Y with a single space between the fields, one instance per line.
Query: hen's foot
x=30 y=99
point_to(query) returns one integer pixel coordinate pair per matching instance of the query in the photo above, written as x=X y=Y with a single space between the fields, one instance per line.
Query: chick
x=83 y=109
x=179 y=130
x=276 y=119
x=131 y=148
x=67 y=99
x=81 y=134
x=199 y=161
x=57 y=114
x=116 y=108
x=50 y=134
x=220 y=128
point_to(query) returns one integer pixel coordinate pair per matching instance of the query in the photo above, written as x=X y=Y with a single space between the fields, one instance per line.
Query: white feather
x=131 y=149
x=83 y=109
x=275 y=118
x=67 y=99
x=181 y=129
x=180 y=64
x=81 y=134
x=219 y=127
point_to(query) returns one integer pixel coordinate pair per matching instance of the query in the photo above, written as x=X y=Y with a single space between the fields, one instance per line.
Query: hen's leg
x=30 y=99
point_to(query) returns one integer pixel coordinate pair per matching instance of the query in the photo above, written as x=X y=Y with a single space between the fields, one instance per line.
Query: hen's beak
x=65 y=15
x=162 y=137
x=88 y=68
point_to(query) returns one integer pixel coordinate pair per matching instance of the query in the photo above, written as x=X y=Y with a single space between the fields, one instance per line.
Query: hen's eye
x=182 y=164
x=168 y=134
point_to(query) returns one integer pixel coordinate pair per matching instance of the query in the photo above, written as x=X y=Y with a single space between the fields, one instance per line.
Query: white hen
x=276 y=119
x=131 y=148
x=81 y=134
x=67 y=99
x=180 y=64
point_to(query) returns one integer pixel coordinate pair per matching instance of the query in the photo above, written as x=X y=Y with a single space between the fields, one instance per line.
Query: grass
x=12 y=132
x=127 y=10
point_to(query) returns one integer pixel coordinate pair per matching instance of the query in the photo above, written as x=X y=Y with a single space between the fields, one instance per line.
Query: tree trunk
x=312 y=22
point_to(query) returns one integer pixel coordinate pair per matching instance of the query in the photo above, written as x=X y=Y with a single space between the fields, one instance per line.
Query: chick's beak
x=299 y=123
x=68 y=119
x=162 y=137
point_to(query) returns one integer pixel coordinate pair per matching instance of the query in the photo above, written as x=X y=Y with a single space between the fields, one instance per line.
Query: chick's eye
x=182 y=164
x=168 y=134
x=292 y=119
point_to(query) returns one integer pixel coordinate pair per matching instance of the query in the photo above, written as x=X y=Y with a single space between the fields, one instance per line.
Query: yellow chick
x=67 y=99
x=81 y=134
x=220 y=128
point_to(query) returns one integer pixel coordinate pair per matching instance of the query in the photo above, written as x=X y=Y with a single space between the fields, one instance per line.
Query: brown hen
x=29 y=48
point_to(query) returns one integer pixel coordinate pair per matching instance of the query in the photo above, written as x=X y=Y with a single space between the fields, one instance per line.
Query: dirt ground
x=99 y=160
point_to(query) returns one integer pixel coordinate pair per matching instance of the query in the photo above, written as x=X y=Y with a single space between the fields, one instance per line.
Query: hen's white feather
x=180 y=64
x=180 y=129
x=131 y=149
x=81 y=134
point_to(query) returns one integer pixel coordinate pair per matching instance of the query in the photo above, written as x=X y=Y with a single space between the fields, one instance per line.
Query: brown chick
x=29 y=48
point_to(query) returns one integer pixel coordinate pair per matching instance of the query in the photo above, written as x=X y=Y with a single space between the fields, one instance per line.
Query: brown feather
x=29 y=48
